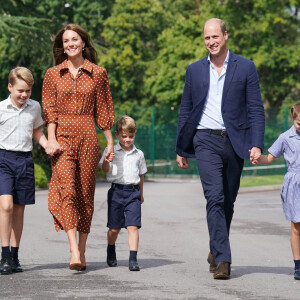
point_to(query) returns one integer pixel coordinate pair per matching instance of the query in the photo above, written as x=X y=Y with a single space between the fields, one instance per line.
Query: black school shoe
x=5 y=266
x=15 y=265
x=111 y=259
x=133 y=265
x=297 y=274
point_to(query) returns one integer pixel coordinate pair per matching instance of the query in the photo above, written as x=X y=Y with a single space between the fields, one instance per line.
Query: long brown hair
x=58 y=50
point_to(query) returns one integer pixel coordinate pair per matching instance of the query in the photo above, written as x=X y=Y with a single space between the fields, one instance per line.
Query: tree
x=266 y=32
x=131 y=35
x=20 y=38
x=179 y=46
x=27 y=27
x=269 y=35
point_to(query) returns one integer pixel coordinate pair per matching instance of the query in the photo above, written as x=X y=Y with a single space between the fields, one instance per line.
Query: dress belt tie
x=294 y=170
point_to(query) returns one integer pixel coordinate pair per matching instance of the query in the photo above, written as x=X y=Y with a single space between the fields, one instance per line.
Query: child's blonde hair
x=125 y=123
x=295 y=110
x=21 y=73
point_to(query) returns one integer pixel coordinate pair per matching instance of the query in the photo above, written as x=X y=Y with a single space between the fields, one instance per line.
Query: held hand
x=254 y=161
x=255 y=155
x=52 y=147
x=182 y=162
x=110 y=150
x=109 y=157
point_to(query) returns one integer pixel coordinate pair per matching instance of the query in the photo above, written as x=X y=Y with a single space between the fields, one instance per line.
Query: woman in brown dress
x=76 y=95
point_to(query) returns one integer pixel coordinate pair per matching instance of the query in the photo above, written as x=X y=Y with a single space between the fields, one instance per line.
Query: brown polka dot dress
x=75 y=105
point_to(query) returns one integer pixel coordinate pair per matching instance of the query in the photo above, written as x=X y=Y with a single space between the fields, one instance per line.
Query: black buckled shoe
x=5 y=266
x=133 y=265
x=111 y=259
x=15 y=265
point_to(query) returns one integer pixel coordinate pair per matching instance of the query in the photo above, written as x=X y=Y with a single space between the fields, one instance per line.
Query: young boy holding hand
x=20 y=119
x=125 y=170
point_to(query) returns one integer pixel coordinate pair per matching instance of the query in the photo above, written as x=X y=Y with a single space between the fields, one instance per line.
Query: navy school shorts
x=124 y=206
x=17 y=176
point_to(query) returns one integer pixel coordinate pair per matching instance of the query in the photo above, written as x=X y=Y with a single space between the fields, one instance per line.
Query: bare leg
x=112 y=235
x=81 y=245
x=133 y=238
x=17 y=224
x=6 y=216
x=74 y=250
x=295 y=240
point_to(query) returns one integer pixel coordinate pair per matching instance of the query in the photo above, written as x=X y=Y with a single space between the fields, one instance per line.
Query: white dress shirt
x=126 y=166
x=17 y=125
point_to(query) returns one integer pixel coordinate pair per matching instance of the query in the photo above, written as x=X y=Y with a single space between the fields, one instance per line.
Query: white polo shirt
x=126 y=166
x=17 y=125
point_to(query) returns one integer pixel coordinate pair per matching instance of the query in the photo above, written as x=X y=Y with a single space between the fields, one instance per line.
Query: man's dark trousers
x=220 y=170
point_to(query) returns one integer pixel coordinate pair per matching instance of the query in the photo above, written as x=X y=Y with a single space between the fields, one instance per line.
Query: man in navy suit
x=221 y=121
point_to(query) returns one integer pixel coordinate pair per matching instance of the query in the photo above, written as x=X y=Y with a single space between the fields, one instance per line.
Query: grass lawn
x=261 y=180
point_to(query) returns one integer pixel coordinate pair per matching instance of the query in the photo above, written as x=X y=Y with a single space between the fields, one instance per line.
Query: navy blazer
x=242 y=107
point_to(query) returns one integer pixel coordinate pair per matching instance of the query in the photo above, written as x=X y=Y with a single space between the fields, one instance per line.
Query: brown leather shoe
x=222 y=271
x=212 y=263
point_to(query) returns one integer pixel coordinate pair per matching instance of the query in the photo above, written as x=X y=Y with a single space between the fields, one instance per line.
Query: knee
x=114 y=231
x=215 y=206
x=296 y=229
x=132 y=228
x=7 y=207
x=69 y=193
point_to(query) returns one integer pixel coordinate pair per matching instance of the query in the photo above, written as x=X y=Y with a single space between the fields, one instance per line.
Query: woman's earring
x=83 y=49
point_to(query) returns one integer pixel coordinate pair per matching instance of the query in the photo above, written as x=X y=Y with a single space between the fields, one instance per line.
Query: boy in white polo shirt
x=126 y=173
x=20 y=119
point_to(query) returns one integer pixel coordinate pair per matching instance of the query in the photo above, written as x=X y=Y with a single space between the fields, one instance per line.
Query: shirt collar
x=118 y=148
x=10 y=104
x=293 y=132
x=87 y=65
x=226 y=59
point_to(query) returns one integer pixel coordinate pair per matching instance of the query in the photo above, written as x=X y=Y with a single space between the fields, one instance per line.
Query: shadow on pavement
x=239 y=271
x=93 y=266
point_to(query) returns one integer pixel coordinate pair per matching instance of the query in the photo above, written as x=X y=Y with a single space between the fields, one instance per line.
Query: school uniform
x=288 y=143
x=16 y=163
x=124 y=197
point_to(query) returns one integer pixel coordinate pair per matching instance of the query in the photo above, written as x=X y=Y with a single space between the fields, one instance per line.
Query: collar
x=87 y=65
x=10 y=104
x=293 y=132
x=118 y=148
x=226 y=59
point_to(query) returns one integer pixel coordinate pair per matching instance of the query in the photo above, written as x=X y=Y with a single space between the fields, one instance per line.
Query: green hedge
x=41 y=179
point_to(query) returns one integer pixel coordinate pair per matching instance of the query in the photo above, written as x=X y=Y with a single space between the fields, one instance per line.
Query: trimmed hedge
x=41 y=179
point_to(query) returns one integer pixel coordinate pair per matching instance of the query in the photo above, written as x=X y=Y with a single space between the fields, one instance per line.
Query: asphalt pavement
x=172 y=254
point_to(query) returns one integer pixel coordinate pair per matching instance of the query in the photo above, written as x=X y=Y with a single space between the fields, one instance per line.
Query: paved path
x=173 y=251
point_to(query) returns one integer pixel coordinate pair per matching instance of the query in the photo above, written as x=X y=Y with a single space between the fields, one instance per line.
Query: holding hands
x=255 y=155
x=109 y=157
x=52 y=147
